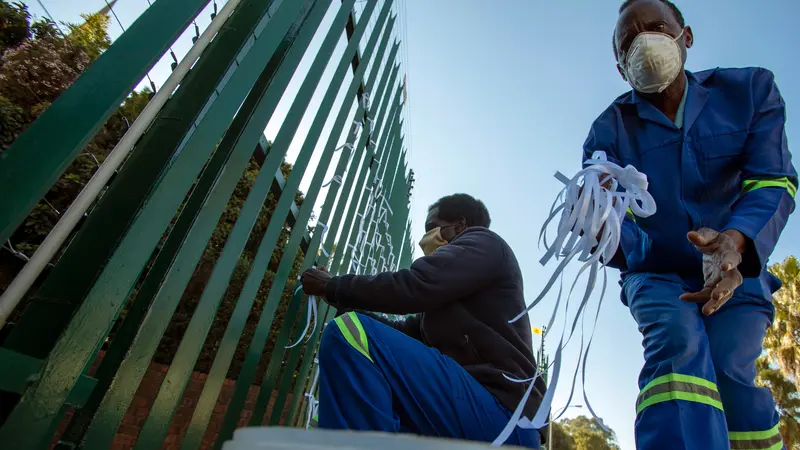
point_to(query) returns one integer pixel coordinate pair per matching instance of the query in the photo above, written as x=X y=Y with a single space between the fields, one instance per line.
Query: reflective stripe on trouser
x=680 y=404
x=783 y=182
x=405 y=387
x=675 y=386
x=756 y=440
x=353 y=332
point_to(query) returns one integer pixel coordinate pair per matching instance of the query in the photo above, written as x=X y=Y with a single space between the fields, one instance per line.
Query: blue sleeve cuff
x=635 y=244
x=760 y=216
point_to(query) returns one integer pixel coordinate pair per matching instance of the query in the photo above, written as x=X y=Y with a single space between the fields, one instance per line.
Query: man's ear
x=688 y=37
x=462 y=225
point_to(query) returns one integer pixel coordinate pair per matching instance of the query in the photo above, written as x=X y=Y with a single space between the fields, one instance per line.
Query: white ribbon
x=336 y=178
x=596 y=198
x=313 y=403
x=322 y=238
x=312 y=300
x=312 y=311
x=365 y=101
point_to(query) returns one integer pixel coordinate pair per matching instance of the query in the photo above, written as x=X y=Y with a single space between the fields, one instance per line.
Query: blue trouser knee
x=373 y=377
x=697 y=386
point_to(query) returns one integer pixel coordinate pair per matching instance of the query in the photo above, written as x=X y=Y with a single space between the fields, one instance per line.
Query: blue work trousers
x=697 y=387
x=373 y=377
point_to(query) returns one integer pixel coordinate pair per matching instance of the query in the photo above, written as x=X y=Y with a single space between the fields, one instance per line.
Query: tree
x=587 y=434
x=787 y=401
x=561 y=438
x=14 y=25
x=782 y=341
x=779 y=370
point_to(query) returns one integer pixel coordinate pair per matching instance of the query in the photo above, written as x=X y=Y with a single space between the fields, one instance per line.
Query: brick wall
x=148 y=389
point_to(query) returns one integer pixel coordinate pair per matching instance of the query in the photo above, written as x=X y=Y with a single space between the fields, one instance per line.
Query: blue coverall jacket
x=728 y=167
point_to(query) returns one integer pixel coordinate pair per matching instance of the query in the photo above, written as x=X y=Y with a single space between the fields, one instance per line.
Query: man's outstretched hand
x=722 y=254
x=315 y=281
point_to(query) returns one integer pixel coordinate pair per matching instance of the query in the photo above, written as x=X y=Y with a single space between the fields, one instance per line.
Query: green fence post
x=350 y=232
x=41 y=153
x=71 y=354
x=381 y=211
x=268 y=242
x=51 y=308
x=346 y=186
x=356 y=233
x=331 y=194
x=302 y=382
x=202 y=213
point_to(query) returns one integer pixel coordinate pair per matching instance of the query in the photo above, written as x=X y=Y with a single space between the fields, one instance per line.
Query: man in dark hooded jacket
x=441 y=371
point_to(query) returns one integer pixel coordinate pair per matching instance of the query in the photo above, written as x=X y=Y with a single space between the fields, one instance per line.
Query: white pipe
x=12 y=296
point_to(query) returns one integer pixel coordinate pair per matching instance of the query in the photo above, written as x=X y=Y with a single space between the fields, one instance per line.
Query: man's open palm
x=721 y=260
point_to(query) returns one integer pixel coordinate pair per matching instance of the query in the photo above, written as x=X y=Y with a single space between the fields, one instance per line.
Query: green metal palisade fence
x=140 y=245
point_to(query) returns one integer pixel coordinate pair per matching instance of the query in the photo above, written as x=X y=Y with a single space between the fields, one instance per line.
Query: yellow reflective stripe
x=750 y=435
x=353 y=332
x=756 y=440
x=677 y=395
x=676 y=386
x=680 y=378
x=630 y=213
x=783 y=182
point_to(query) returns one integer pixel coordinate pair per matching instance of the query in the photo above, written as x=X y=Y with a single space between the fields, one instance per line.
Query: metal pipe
x=23 y=281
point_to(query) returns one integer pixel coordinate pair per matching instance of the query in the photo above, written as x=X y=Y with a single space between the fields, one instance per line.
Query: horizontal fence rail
x=173 y=315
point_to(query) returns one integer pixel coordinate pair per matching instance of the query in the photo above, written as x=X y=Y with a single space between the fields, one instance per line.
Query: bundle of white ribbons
x=592 y=207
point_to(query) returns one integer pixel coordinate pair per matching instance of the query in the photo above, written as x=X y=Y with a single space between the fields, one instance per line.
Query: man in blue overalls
x=713 y=146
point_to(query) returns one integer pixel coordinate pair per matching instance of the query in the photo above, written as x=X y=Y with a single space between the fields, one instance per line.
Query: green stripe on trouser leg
x=353 y=332
x=757 y=440
x=675 y=386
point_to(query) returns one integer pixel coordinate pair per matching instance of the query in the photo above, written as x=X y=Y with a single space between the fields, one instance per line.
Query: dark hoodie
x=462 y=298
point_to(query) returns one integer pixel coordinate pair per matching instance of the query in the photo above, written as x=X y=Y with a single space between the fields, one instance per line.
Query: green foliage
x=561 y=438
x=779 y=370
x=587 y=434
x=92 y=35
x=782 y=341
x=787 y=401
x=14 y=24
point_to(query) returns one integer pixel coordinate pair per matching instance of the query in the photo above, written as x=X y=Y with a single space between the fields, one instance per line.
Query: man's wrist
x=738 y=239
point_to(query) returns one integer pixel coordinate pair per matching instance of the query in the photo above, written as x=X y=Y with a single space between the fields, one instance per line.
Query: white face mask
x=653 y=63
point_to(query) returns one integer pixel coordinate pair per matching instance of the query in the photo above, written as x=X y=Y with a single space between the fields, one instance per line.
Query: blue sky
x=502 y=95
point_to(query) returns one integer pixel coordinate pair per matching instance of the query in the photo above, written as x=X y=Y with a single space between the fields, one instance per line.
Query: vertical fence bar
x=206 y=210
x=346 y=187
x=275 y=360
x=253 y=279
x=355 y=233
x=191 y=166
x=311 y=258
x=41 y=153
x=125 y=334
x=78 y=344
x=69 y=281
x=351 y=231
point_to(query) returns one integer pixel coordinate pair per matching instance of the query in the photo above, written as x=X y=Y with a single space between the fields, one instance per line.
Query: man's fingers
x=730 y=260
x=698 y=297
x=719 y=297
x=730 y=281
x=705 y=239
